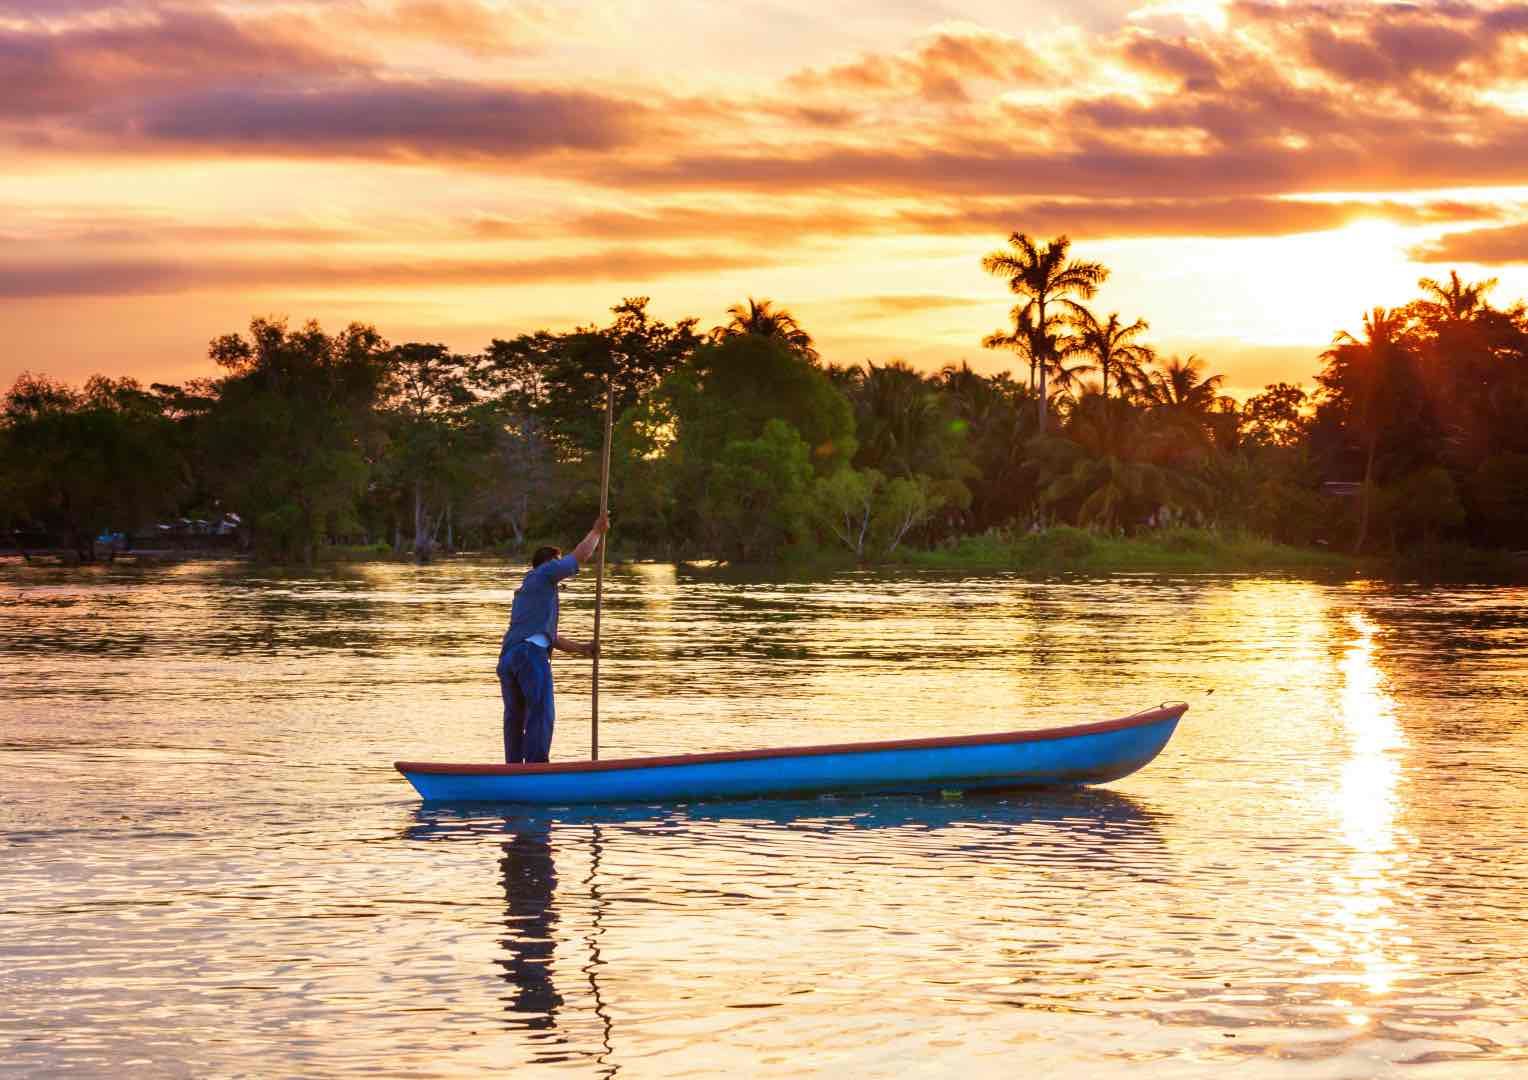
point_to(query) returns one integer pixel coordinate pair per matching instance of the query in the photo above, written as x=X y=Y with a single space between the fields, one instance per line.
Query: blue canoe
x=1082 y=754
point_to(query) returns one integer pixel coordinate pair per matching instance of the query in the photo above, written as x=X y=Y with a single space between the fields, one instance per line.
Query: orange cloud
x=1085 y=218
x=937 y=69
x=467 y=25
x=174 y=79
x=1491 y=247
x=1263 y=108
x=1387 y=44
x=31 y=278
x=886 y=307
x=46 y=73
x=461 y=141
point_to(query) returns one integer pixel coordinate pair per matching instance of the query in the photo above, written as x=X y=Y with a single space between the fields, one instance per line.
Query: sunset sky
x=1255 y=175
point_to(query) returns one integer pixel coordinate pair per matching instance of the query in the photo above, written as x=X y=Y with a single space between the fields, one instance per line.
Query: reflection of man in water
x=530 y=885
x=525 y=669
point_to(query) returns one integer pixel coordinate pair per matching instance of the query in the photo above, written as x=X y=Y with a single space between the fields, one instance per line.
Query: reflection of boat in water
x=1066 y=756
x=576 y=880
x=1072 y=810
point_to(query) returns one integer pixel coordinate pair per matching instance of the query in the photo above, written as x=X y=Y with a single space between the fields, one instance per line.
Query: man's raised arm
x=587 y=545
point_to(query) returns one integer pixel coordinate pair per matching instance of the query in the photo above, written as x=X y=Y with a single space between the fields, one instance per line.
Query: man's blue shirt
x=534 y=610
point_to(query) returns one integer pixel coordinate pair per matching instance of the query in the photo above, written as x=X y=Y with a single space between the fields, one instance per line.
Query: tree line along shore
x=739 y=443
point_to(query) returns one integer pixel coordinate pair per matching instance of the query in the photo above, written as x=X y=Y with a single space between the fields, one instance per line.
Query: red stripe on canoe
x=1151 y=716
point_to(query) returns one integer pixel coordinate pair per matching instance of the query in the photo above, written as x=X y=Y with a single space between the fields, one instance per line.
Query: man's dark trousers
x=525 y=679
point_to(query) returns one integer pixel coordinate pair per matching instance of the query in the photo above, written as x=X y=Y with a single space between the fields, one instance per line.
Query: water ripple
x=209 y=867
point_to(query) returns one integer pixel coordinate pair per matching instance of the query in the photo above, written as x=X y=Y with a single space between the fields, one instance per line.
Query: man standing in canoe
x=525 y=669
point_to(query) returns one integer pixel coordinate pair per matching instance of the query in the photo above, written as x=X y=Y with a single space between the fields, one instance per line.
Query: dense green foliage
x=83 y=460
x=740 y=444
x=290 y=430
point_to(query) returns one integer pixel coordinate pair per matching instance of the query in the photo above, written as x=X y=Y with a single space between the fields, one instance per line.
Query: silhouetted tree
x=762 y=319
x=1113 y=347
x=80 y=462
x=1044 y=276
x=561 y=378
x=1454 y=303
x=436 y=426
x=741 y=445
x=1361 y=378
x=1183 y=385
x=294 y=428
x=1277 y=416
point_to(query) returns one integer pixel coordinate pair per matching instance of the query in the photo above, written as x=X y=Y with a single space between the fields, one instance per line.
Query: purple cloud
x=66 y=74
x=380 y=118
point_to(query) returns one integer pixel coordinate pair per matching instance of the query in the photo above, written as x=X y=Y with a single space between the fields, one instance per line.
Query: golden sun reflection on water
x=1368 y=806
x=1320 y=877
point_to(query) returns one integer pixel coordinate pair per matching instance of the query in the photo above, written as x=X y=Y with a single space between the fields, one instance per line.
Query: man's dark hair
x=545 y=554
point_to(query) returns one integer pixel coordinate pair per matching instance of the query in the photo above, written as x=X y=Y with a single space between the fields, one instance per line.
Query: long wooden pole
x=599 y=577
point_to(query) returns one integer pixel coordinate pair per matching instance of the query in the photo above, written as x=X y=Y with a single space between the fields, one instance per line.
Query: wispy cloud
x=896 y=305
x=56 y=78
x=1293 y=99
x=1492 y=247
x=940 y=68
x=479 y=142
x=466 y=25
x=440 y=118
x=30 y=278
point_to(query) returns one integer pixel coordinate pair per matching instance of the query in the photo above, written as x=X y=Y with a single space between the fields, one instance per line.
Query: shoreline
x=1057 y=550
x=1064 y=548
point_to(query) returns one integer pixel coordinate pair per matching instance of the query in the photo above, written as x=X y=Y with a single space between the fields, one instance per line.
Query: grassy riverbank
x=1063 y=548
x=1059 y=549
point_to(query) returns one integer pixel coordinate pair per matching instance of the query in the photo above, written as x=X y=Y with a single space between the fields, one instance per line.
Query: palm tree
x=1047 y=352
x=762 y=318
x=1180 y=386
x=973 y=394
x=900 y=418
x=1042 y=275
x=1113 y=346
x=1028 y=339
x=1188 y=405
x=1114 y=468
x=1066 y=379
x=1458 y=346
x=1357 y=373
x=1455 y=302
x=996 y=417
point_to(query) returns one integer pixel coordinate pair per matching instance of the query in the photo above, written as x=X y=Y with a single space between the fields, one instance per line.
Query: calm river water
x=209 y=868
